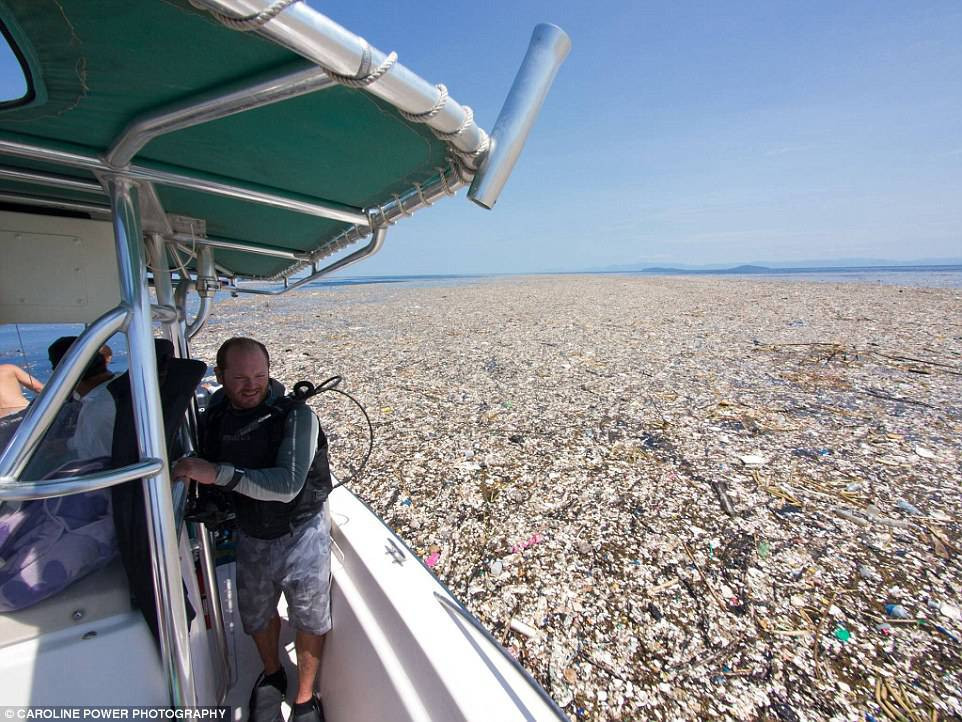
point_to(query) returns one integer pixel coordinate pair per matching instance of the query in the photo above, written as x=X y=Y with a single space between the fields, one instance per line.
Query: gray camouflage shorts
x=299 y=565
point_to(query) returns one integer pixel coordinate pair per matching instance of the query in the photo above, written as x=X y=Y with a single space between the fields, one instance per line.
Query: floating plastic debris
x=908 y=508
x=535 y=538
x=951 y=611
x=620 y=453
x=525 y=629
x=897 y=611
x=753 y=460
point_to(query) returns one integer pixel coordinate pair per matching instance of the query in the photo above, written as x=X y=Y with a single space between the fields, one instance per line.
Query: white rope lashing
x=248 y=23
x=365 y=77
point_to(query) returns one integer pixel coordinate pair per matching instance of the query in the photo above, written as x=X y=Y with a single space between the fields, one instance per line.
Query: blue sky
x=695 y=132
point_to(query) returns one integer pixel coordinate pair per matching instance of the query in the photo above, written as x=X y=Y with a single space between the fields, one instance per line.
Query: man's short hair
x=240 y=342
x=58 y=349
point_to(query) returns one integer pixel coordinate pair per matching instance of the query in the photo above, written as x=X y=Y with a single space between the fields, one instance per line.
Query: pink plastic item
x=529 y=542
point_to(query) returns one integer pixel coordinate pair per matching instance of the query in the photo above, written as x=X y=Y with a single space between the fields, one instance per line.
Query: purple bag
x=47 y=544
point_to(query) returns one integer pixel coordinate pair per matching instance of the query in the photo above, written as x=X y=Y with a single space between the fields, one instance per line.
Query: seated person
x=67 y=439
x=47 y=544
x=12 y=378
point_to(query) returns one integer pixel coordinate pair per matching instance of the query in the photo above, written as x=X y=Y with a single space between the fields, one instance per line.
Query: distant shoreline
x=938 y=276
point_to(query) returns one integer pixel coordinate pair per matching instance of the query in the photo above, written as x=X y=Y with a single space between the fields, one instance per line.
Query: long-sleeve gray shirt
x=283 y=481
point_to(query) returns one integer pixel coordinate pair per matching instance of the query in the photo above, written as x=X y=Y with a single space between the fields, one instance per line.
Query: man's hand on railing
x=192 y=467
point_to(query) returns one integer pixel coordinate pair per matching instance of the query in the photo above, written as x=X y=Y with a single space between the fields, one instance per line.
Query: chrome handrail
x=14 y=490
x=212 y=590
x=148 y=424
x=42 y=412
x=373 y=246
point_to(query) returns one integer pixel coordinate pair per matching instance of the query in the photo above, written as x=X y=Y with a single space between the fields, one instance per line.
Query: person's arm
x=27 y=381
x=281 y=482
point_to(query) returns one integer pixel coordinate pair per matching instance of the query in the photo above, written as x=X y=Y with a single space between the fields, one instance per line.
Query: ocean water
x=26 y=345
x=911 y=276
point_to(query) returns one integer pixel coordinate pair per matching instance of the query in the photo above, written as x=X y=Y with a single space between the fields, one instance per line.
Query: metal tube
x=307 y=32
x=163 y=313
x=157 y=251
x=60 y=157
x=175 y=332
x=13 y=490
x=212 y=590
x=377 y=240
x=183 y=288
x=50 y=179
x=41 y=413
x=212 y=106
x=291 y=202
x=405 y=205
x=548 y=48
x=206 y=285
x=148 y=418
x=239 y=246
x=91 y=208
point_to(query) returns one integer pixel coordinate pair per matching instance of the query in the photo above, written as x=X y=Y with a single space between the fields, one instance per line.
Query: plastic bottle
x=897 y=611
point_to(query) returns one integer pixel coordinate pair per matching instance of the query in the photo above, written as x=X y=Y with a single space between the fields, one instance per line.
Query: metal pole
x=548 y=48
x=148 y=418
x=306 y=31
x=175 y=332
x=91 y=208
x=295 y=202
x=50 y=179
x=206 y=285
x=11 y=489
x=157 y=251
x=239 y=246
x=372 y=247
x=290 y=201
x=212 y=106
x=212 y=589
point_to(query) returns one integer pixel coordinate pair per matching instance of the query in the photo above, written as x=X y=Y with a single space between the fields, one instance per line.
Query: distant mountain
x=770 y=266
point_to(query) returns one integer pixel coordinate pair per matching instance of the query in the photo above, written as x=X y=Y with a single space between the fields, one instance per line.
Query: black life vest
x=249 y=439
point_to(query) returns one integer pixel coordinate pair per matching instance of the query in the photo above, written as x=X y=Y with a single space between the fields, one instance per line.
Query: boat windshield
x=14 y=86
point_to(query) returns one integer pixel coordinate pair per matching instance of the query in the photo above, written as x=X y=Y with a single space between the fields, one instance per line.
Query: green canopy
x=94 y=67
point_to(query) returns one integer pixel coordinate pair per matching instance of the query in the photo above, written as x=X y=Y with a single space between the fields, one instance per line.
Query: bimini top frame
x=177 y=142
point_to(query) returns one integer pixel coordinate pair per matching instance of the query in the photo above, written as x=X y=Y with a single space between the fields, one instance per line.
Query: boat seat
x=84 y=646
x=104 y=593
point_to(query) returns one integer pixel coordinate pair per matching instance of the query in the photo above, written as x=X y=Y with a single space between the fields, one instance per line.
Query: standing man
x=270 y=453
